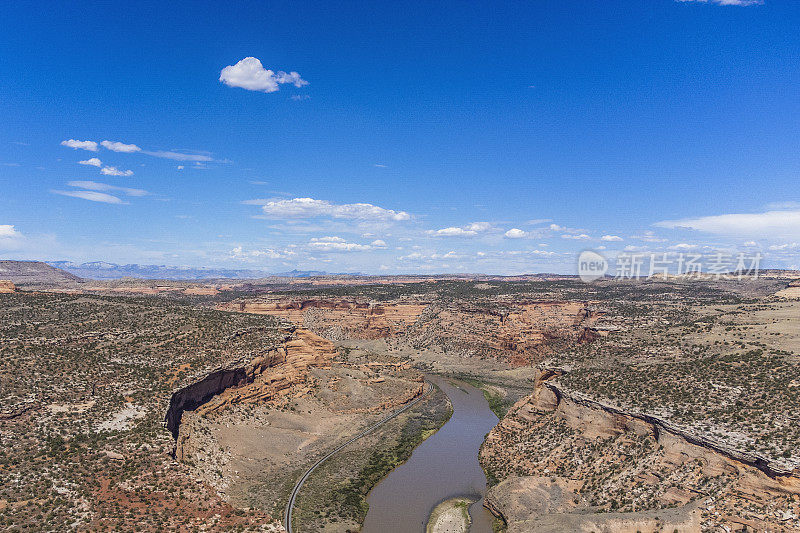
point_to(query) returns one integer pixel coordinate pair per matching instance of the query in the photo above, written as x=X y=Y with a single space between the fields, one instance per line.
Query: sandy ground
x=450 y=516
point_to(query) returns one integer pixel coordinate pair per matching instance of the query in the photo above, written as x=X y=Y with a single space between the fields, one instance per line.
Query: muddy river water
x=444 y=466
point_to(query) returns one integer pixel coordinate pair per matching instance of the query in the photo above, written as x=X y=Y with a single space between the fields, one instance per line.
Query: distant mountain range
x=102 y=270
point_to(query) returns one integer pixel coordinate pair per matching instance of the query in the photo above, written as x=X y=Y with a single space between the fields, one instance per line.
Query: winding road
x=287 y=515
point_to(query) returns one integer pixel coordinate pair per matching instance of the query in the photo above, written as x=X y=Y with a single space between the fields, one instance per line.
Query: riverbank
x=450 y=516
x=442 y=468
x=333 y=498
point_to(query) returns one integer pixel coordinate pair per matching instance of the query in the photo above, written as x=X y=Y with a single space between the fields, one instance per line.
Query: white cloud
x=336 y=244
x=93 y=162
x=240 y=254
x=114 y=171
x=304 y=208
x=683 y=246
x=579 y=237
x=470 y=230
x=7 y=231
x=378 y=243
x=250 y=74
x=726 y=2
x=120 y=147
x=92 y=196
x=649 y=236
x=95 y=186
x=768 y=224
x=478 y=226
x=452 y=232
x=10 y=238
x=611 y=238
x=515 y=233
x=82 y=145
x=785 y=246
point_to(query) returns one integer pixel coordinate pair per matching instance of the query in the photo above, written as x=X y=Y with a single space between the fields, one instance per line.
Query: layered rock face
x=279 y=371
x=518 y=333
x=7 y=286
x=561 y=458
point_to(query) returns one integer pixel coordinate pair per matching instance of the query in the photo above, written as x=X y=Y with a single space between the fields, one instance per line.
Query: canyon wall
x=259 y=379
x=567 y=462
x=517 y=333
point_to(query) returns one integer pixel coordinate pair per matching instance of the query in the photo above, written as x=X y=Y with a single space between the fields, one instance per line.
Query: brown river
x=444 y=466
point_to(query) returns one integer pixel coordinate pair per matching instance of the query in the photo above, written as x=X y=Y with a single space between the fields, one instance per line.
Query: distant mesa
x=22 y=273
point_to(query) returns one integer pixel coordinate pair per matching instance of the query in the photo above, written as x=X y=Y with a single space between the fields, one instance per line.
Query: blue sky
x=428 y=137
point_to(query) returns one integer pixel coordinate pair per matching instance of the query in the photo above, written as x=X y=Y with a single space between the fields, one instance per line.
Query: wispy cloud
x=769 y=223
x=100 y=192
x=726 y=2
x=92 y=196
x=95 y=186
x=178 y=156
x=250 y=74
x=124 y=148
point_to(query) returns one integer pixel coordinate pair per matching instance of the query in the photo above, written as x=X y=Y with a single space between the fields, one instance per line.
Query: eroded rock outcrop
x=255 y=380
